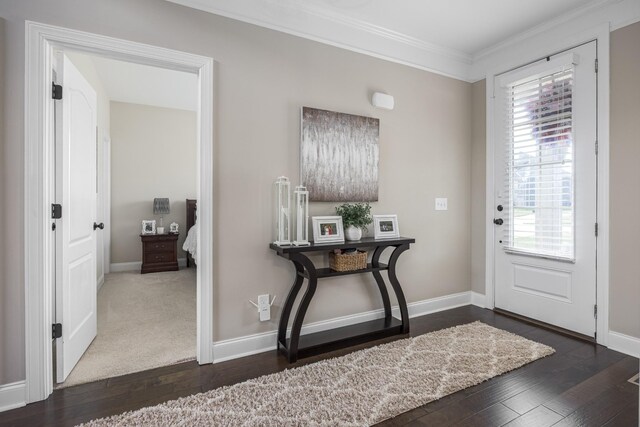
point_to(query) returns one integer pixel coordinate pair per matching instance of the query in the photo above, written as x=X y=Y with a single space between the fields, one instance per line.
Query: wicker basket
x=349 y=261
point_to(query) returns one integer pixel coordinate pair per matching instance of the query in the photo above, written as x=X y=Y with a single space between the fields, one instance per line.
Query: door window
x=539 y=174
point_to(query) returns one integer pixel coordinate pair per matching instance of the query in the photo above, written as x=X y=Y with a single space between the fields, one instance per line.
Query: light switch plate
x=441 y=203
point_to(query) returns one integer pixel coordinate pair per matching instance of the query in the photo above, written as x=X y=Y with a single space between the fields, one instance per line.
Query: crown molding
x=313 y=23
x=563 y=32
x=386 y=33
x=545 y=26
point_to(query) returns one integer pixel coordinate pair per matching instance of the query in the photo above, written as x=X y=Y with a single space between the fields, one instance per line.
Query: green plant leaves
x=356 y=214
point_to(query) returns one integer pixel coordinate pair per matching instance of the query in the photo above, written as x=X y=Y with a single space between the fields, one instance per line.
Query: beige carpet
x=144 y=321
x=359 y=389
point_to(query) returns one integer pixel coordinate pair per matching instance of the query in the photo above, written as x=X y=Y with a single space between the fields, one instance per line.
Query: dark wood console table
x=307 y=345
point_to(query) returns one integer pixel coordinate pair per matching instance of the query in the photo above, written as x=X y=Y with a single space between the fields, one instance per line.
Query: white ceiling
x=444 y=36
x=147 y=85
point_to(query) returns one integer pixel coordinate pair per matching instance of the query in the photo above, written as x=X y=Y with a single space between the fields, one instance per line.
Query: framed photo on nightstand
x=148 y=226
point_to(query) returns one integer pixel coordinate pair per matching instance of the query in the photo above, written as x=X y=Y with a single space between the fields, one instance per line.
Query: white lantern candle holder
x=301 y=205
x=282 y=205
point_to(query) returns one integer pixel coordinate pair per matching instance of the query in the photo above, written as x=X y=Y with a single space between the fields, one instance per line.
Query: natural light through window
x=540 y=169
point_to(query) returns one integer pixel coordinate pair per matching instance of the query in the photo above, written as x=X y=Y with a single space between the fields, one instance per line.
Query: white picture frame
x=148 y=226
x=173 y=228
x=386 y=227
x=327 y=229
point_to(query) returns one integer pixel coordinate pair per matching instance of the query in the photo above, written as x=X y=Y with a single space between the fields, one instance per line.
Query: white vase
x=353 y=233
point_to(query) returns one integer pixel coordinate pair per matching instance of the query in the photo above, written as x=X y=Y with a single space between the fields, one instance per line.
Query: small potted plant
x=355 y=218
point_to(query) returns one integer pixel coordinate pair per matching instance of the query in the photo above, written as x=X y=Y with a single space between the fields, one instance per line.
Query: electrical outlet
x=264 y=308
x=441 y=203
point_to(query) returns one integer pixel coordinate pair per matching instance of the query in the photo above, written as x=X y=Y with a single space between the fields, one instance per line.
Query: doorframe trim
x=40 y=41
x=106 y=166
x=601 y=34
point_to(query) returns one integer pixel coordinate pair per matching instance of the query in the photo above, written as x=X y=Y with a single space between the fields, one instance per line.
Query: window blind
x=539 y=179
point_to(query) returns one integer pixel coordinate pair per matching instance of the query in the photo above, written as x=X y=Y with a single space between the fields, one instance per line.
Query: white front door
x=545 y=190
x=76 y=282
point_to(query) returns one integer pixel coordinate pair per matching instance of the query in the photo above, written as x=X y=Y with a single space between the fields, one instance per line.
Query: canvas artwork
x=339 y=156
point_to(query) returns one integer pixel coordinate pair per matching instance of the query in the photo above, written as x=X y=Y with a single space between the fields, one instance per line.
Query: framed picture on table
x=327 y=229
x=386 y=226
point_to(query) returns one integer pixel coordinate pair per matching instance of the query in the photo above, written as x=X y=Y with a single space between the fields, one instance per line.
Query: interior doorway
x=41 y=44
x=126 y=139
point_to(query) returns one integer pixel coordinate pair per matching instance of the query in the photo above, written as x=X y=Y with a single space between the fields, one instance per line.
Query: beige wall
x=624 y=209
x=153 y=154
x=262 y=79
x=11 y=275
x=478 y=184
x=5 y=320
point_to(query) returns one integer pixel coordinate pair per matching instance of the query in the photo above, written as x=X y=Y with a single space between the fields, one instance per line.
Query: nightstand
x=159 y=252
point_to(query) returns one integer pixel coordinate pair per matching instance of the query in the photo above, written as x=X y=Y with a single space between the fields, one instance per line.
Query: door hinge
x=56 y=211
x=595 y=311
x=596 y=65
x=596 y=147
x=596 y=229
x=56 y=91
x=56 y=330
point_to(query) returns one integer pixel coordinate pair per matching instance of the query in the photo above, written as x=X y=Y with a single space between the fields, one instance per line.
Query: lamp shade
x=160 y=206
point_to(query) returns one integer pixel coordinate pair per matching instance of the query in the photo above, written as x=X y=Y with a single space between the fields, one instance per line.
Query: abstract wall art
x=339 y=156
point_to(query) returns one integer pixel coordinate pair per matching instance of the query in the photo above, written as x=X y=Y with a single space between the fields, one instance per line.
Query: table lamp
x=161 y=207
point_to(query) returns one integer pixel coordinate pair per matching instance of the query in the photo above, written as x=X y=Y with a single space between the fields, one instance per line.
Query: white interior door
x=545 y=190
x=76 y=282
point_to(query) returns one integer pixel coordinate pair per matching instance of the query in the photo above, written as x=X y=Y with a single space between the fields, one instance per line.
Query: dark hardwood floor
x=580 y=385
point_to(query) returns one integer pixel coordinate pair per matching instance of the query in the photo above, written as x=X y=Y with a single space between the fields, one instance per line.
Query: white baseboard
x=479 y=300
x=125 y=266
x=136 y=265
x=266 y=341
x=12 y=396
x=624 y=343
x=100 y=281
x=243 y=346
x=433 y=305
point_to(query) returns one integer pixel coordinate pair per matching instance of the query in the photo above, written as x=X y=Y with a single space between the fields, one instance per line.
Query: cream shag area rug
x=359 y=389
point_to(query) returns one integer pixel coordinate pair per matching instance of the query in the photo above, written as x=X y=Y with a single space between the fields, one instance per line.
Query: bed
x=191 y=242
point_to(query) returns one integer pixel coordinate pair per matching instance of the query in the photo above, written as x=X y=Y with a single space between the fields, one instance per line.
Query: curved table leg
x=304 y=304
x=288 y=305
x=375 y=262
x=402 y=302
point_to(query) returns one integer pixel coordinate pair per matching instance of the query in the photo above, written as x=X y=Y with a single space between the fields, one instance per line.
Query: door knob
x=499 y=208
x=100 y=226
x=498 y=221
